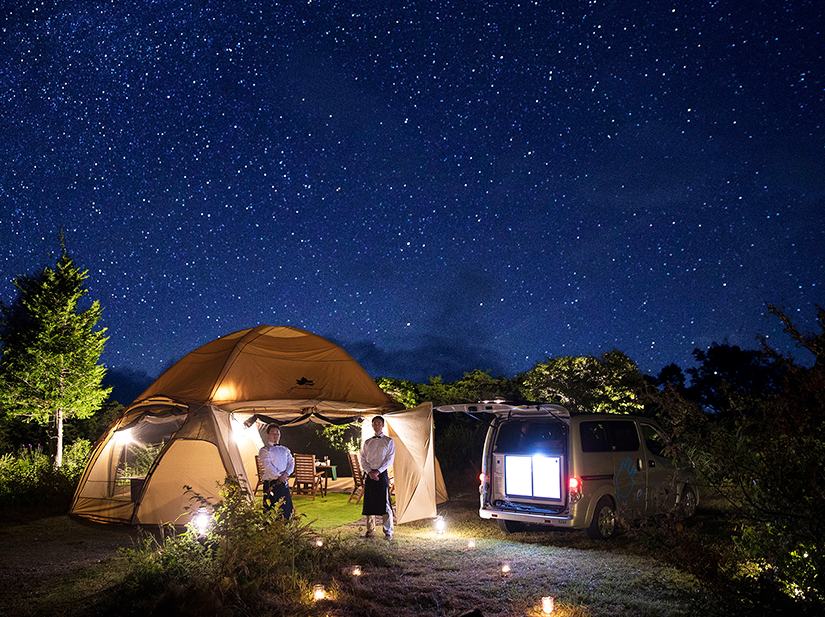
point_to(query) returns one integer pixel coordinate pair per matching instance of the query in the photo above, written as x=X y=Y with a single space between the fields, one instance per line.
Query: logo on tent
x=303 y=384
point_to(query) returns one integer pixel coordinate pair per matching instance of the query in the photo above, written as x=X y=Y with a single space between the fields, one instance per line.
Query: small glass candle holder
x=318 y=592
x=547 y=605
x=471 y=543
x=356 y=570
x=319 y=541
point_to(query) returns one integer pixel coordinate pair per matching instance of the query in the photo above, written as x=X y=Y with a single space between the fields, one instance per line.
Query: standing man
x=377 y=454
x=278 y=464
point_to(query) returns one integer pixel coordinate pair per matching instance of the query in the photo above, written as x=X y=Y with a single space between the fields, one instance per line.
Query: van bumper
x=563 y=519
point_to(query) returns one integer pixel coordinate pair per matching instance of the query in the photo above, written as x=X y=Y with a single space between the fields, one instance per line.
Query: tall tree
x=611 y=384
x=727 y=371
x=49 y=370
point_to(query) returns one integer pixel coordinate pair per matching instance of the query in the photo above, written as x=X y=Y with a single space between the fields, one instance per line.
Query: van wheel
x=510 y=526
x=687 y=502
x=603 y=526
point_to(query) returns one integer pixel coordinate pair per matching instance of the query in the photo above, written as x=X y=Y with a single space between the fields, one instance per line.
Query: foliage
x=29 y=479
x=342 y=437
x=247 y=562
x=459 y=443
x=472 y=387
x=724 y=371
x=610 y=385
x=50 y=354
x=765 y=455
x=143 y=457
x=402 y=390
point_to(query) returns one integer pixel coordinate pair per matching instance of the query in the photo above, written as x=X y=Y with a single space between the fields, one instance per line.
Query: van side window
x=594 y=437
x=654 y=440
x=624 y=435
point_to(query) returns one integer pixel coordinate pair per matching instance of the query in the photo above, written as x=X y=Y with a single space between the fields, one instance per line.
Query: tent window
x=137 y=447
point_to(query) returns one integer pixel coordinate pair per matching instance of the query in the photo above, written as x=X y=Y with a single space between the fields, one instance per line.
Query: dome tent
x=195 y=425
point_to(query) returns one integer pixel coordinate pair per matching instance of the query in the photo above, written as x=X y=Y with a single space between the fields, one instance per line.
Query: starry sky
x=435 y=186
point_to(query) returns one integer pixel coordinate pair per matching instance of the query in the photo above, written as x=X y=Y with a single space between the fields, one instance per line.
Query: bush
x=765 y=458
x=247 y=562
x=29 y=479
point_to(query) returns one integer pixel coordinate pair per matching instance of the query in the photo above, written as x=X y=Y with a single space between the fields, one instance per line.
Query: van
x=544 y=465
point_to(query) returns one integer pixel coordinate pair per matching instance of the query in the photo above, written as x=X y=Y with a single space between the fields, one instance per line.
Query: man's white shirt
x=377 y=453
x=276 y=459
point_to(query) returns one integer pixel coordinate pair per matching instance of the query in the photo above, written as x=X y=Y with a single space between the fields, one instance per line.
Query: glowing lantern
x=318 y=592
x=440 y=525
x=356 y=570
x=319 y=541
x=202 y=520
x=547 y=605
x=471 y=543
x=506 y=568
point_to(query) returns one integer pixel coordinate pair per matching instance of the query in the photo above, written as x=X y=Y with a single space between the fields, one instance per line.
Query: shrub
x=247 y=562
x=29 y=479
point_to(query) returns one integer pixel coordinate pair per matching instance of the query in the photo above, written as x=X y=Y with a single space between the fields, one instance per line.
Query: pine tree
x=49 y=370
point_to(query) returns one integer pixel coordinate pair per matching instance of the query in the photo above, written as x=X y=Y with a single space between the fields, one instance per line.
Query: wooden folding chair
x=357 y=476
x=307 y=478
x=259 y=487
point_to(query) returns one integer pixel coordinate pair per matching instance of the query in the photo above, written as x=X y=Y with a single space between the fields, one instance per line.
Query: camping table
x=330 y=471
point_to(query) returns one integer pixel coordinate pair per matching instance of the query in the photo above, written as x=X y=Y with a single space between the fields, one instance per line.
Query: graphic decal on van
x=625 y=479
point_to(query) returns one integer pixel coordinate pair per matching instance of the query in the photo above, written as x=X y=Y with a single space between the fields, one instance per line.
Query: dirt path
x=34 y=555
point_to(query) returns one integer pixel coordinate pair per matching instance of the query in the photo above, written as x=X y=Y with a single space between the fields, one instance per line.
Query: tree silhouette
x=49 y=370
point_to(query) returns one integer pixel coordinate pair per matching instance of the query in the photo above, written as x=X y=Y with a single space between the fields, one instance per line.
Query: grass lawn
x=423 y=574
x=327 y=512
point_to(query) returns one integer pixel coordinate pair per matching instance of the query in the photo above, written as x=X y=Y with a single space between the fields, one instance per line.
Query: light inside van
x=533 y=476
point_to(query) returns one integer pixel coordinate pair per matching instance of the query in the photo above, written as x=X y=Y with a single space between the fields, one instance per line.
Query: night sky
x=435 y=186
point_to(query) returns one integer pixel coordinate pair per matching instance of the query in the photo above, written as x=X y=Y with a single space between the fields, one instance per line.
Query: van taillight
x=574 y=487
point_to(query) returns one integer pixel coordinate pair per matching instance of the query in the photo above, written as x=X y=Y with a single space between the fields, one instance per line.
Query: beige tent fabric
x=202 y=454
x=413 y=469
x=195 y=412
x=280 y=367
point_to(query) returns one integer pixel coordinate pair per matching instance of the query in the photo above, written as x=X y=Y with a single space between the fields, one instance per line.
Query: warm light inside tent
x=239 y=431
x=124 y=436
x=225 y=392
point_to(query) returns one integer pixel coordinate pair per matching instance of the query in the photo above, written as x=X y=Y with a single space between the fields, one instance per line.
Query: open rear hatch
x=527 y=461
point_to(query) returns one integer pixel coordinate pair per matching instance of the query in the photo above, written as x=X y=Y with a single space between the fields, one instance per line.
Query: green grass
x=327 y=512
